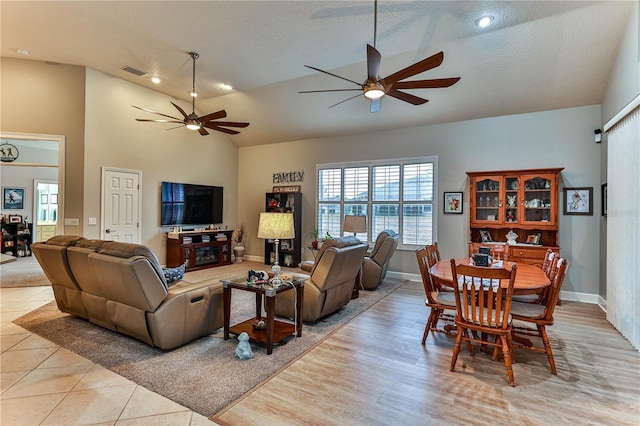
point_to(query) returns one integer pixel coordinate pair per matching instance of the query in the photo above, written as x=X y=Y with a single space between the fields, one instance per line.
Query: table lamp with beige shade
x=276 y=226
x=355 y=224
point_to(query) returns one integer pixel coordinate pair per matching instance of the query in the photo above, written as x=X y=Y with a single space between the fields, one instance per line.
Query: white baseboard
x=564 y=295
x=254 y=258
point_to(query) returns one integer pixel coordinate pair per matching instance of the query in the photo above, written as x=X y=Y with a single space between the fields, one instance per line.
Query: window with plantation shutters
x=393 y=194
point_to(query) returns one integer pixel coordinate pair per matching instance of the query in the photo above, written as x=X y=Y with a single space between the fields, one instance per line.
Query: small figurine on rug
x=243 y=351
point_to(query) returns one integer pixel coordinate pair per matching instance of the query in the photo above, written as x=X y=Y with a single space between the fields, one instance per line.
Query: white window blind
x=393 y=194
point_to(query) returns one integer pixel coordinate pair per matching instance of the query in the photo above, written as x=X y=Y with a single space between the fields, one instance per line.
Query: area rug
x=204 y=375
x=23 y=272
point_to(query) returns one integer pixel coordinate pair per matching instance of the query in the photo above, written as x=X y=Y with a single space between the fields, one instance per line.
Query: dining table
x=530 y=279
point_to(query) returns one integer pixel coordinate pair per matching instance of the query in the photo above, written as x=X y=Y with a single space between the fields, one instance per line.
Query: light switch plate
x=92 y=221
x=72 y=221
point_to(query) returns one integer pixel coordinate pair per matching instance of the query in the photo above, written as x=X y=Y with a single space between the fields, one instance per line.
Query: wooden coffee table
x=275 y=330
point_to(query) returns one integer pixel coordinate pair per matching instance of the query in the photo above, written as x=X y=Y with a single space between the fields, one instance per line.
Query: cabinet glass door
x=512 y=200
x=537 y=199
x=488 y=201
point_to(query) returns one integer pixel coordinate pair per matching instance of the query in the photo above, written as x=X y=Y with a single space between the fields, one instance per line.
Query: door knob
x=107 y=231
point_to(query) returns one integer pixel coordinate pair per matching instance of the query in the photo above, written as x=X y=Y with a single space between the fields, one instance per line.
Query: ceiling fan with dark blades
x=374 y=87
x=192 y=121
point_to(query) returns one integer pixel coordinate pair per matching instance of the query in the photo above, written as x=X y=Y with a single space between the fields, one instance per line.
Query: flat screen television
x=189 y=204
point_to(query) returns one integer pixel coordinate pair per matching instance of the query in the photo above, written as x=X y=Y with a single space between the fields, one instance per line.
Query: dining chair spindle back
x=483 y=303
x=437 y=301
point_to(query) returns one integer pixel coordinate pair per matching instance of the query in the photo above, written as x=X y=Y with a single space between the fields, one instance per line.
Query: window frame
x=370 y=204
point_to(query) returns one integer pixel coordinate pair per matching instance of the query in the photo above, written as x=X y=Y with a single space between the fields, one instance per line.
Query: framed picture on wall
x=453 y=202
x=603 y=195
x=12 y=198
x=578 y=201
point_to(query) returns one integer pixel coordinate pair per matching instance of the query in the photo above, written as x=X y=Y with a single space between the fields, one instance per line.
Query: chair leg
x=469 y=347
x=436 y=318
x=456 y=348
x=495 y=349
x=547 y=347
x=427 y=326
x=507 y=359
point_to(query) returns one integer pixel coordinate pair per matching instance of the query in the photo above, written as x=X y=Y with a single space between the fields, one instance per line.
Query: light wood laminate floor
x=373 y=371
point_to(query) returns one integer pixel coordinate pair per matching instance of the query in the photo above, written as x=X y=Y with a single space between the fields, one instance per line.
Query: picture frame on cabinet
x=485 y=236
x=603 y=191
x=16 y=218
x=534 y=239
x=453 y=202
x=12 y=198
x=578 y=201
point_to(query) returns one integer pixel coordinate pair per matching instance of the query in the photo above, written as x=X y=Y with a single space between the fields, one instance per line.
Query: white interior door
x=121 y=205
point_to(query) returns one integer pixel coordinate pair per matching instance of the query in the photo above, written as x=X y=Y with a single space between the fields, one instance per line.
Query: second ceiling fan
x=192 y=121
x=375 y=88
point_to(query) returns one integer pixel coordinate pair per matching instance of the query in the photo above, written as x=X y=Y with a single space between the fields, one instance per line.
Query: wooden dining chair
x=540 y=315
x=548 y=265
x=482 y=308
x=499 y=252
x=437 y=301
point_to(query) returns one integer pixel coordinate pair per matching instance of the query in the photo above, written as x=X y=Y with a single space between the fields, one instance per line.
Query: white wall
x=562 y=138
x=113 y=138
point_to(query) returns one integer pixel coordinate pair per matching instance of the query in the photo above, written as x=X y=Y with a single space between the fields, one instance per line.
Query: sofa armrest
x=307 y=265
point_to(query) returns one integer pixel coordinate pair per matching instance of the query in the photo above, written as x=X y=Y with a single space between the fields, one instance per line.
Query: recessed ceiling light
x=155 y=80
x=193 y=94
x=484 y=21
x=22 y=51
x=225 y=86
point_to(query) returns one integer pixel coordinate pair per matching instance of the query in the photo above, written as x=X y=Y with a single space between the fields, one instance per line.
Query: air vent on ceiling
x=132 y=70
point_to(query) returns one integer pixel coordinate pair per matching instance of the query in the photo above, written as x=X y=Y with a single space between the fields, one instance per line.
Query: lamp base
x=276 y=281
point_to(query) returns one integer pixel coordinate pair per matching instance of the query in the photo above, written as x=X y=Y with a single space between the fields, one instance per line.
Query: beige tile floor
x=44 y=384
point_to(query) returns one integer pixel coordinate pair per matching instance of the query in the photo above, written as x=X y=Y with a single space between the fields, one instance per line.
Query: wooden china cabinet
x=524 y=202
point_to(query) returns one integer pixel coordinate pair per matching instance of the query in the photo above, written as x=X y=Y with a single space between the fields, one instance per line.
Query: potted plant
x=313 y=235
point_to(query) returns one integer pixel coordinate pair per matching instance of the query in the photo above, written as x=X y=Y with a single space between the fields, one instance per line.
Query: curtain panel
x=623 y=226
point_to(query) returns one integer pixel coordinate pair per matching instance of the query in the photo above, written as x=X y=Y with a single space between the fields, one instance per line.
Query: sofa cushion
x=173 y=275
x=64 y=240
x=127 y=250
x=91 y=244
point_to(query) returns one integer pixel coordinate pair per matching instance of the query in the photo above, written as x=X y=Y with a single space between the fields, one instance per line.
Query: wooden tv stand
x=199 y=249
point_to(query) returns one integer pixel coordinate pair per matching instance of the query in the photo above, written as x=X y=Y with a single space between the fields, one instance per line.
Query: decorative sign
x=8 y=153
x=288 y=177
x=283 y=189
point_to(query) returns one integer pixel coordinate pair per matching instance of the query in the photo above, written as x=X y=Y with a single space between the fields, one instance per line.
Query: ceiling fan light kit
x=374 y=87
x=192 y=121
x=373 y=90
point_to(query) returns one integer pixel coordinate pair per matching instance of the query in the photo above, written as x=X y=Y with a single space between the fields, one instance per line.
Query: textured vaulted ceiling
x=538 y=55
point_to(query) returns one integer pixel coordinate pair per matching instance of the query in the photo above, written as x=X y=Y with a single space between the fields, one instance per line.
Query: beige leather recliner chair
x=374 y=266
x=331 y=282
x=122 y=287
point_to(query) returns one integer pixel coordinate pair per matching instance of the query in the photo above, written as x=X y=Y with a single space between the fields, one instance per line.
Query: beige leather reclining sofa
x=330 y=285
x=122 y=287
